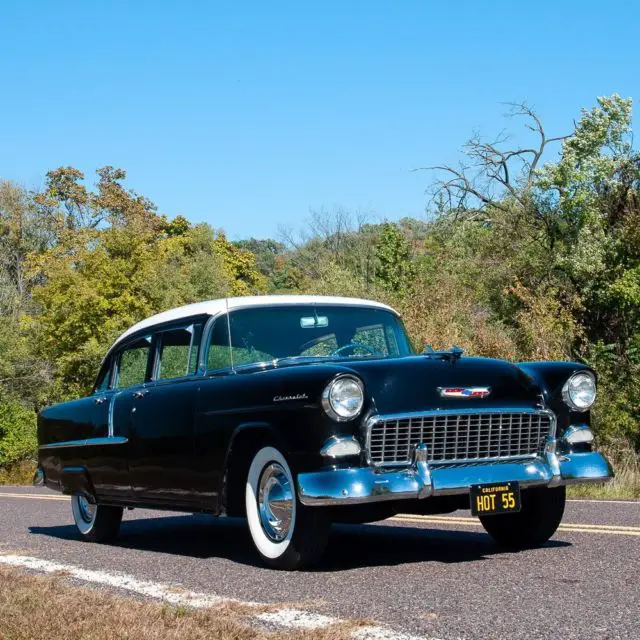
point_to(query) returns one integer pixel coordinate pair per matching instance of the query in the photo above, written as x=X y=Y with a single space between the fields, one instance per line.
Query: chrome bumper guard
x=363 y=485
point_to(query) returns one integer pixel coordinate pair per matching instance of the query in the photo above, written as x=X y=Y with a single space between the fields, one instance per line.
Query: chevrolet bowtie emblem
x=464 y=392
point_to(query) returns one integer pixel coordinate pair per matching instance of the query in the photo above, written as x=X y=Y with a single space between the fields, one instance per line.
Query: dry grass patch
x=17 y=474
x=34 y=607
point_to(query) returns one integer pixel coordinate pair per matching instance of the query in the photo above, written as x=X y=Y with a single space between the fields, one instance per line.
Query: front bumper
x=363 y=485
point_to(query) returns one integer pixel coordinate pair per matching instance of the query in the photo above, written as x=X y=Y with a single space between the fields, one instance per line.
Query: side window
x=178 y=352
x=132 y=364
x=102 y=383
x=218 y=356
x=373 y=337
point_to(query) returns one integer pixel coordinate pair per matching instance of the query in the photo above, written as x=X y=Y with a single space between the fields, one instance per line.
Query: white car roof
x=216 y=307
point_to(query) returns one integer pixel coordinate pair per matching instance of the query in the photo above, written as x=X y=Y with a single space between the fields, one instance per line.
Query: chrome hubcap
x=87 y=510
x=275 y=502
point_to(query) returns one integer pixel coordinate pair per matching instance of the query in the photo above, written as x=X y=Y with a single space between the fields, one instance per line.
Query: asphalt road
x=439 y=577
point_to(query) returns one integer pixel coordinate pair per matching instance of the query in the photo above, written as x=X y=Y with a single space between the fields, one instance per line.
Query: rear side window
x=132 y=364
x=178 y=352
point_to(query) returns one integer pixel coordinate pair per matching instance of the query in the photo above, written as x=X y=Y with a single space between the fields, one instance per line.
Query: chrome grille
x=458 y=437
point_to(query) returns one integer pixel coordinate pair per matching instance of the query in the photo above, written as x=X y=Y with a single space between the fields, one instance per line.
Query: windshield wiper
x=286 y=359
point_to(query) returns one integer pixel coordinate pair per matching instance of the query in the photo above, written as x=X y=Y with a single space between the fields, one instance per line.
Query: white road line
x=382 y=633
x=297 y=619
x=146 y=588
x=287 y=618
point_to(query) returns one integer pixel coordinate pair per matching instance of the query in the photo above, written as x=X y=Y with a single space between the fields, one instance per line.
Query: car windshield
x=309 y=332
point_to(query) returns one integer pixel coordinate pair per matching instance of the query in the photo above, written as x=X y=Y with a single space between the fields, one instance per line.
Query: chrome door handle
x=100 y=400
x=140 y=394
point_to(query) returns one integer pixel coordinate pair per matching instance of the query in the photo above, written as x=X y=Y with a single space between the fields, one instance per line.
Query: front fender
x=550 y=377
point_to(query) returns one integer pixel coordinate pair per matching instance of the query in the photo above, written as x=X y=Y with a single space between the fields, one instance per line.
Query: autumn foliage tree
x=528 y=251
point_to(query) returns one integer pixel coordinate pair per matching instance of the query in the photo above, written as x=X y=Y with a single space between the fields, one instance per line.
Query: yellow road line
x=33 y=496
x=570 y=527
x=463 y=520
x=609 y=532
x=442 y=520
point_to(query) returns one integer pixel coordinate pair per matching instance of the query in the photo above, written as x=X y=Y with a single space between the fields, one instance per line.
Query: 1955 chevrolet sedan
x=299 y=411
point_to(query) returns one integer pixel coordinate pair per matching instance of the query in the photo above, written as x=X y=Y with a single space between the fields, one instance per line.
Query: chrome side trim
x=112 y=401
x=550 y=445
x=89 y=442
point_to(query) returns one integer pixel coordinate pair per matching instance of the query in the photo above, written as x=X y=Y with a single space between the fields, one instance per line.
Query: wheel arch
x=245 y=441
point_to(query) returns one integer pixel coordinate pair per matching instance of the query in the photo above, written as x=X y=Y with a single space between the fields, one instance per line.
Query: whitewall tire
x=286 y=534
x=95 y=523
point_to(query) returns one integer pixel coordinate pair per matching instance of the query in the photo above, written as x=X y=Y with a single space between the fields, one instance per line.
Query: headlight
x=579 y=391
x=343 y=398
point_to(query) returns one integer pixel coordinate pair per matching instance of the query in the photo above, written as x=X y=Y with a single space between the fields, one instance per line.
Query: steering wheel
x=352 y=346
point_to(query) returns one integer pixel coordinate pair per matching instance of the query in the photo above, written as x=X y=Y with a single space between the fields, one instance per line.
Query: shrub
x=17 y=433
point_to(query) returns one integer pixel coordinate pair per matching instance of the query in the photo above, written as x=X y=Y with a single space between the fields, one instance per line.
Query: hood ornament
x=464 y=392
x=455 y=353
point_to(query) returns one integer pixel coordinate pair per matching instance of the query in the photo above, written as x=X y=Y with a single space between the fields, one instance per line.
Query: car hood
x=411 y=384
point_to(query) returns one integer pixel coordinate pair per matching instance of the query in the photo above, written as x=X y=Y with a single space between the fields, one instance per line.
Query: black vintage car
x=299 y=411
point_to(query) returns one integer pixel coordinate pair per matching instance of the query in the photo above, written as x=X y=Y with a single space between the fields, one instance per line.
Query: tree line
x=526 y=252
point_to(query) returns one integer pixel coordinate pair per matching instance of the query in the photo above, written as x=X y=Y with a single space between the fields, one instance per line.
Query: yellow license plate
x=492 y=499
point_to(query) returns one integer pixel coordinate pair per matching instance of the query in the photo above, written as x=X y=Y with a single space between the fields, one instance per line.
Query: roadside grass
x=18 y=474
x=34 y=607
x=625 y=485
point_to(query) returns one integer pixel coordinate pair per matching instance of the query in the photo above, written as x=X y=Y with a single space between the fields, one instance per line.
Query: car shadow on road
x=350 y=546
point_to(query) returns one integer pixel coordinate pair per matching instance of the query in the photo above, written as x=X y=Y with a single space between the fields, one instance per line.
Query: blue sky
x=247 y=114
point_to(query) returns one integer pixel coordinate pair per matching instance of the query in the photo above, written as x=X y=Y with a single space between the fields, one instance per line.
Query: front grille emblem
x=464 y=392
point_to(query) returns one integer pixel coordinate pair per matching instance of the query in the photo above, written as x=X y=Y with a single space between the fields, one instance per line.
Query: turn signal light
x=340 y=447
x=579 y=434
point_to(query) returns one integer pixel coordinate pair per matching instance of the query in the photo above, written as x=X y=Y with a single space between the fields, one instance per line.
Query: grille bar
x=458 y=436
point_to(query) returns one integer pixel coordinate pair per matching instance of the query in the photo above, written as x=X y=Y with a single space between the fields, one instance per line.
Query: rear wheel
x=533 y=525
x=96 y=523
x=286 y=534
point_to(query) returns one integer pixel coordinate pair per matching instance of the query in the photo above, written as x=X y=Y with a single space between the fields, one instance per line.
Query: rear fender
x=76 y=480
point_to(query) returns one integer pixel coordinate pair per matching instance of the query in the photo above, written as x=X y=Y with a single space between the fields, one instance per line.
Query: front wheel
x=286 y=534
x=533 y=525
x=96 y=523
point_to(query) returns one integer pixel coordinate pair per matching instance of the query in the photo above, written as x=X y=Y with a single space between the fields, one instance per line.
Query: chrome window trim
x=550 y=445
x=88 y=442
x=110 y=430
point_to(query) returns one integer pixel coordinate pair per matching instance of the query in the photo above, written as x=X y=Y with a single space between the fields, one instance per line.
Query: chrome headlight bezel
x=329 y=402
x=568 y=391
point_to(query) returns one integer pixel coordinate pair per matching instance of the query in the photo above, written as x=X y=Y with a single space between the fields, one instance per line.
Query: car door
x=110 y=473
x=163 y=412
x=132 y=366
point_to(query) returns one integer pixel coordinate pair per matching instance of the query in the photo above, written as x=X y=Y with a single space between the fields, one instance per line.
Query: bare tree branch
x=496 y=177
